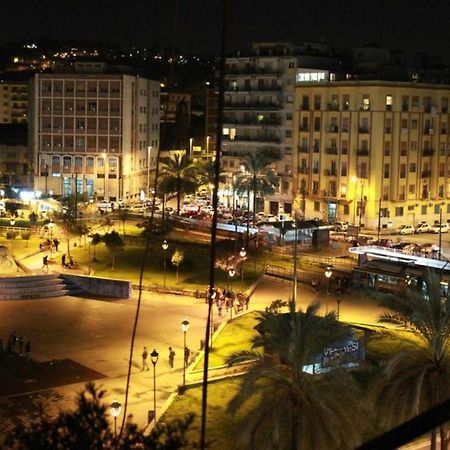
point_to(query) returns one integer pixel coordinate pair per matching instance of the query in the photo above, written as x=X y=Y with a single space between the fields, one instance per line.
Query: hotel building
x=93 y=133
x=371 y=150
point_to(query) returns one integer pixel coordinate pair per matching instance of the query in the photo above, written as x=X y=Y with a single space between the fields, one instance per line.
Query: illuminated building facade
x=91 y=133
x=259 y=112
x=13 y=102
x=372 y=149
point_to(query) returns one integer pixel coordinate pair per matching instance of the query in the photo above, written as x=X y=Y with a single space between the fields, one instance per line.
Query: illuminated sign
x=311 y=76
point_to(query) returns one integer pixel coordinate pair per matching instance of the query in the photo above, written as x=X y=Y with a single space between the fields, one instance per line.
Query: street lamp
x=12 y=223
x=115 y=409
x=149 y=149
x=184 y=328
x=294 y=284
x=328 y=273
x=242 y=254
x=89 y=238
x=154 y=358
x=164 y=246
x=231 y=274
x=104 y=175
x=50 y=226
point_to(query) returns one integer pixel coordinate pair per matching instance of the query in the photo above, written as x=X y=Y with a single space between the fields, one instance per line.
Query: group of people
x=16 y=344
x=187 y=356
x=68 y=265
x=48 y=245
x=230 y=300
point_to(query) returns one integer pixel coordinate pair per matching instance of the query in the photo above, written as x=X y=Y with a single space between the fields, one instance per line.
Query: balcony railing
x=303 y=169
x=229 y=89
x=426 y=173
x=304 y=128
x=253 y=105
x=428 y=152
x=364 y=130
x=333 y=129
x=331 y=172
x=304 y=150
x=331 y=151
x=272 y=139
x=329 y=193
x=362 y=152
x=252 y=121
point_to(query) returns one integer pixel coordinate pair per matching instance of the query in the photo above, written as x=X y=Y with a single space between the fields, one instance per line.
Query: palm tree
x=259 y=178
x=206 y=173
x=286 y=407
x=113 y=243
x=178 y=176
x=417 y=377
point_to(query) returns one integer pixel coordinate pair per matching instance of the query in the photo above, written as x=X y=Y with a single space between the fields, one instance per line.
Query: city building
x=371 y=151
x=13 y=101
x=259 y=110
x=93 y=133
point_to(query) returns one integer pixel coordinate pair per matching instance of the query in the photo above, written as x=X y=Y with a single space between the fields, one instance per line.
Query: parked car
x=443 y=228
x=340 y=226
x=406 y=229
x=423 y=228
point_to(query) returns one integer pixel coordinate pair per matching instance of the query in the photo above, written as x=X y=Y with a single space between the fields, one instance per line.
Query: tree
x=123 y=216
x=179 y=175
x=287 y=407
x=259 y=178
x=88 y=427
x=177 y=259
x=418 y=376
x=95 y=240
x=206 y=173
x=113 y=243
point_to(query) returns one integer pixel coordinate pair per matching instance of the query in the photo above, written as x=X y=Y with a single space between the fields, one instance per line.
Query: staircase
x=35 y=286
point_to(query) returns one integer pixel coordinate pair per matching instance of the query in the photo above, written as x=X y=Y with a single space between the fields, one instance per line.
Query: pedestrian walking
x=45 y=263
x=144 y=359
x=63 y=260
x=187 y=354
x=13 y=339
x=56 y=244
x=28 y=349
x=171 y=357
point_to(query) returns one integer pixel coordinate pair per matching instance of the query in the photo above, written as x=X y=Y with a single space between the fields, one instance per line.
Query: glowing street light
x=184 y=328
x=242 y=254
x=328 y=274
x=164 y=246
x=12 y=223
x=115 y=409
x=154 y=358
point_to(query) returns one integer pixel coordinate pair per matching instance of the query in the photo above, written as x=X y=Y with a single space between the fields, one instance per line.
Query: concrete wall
x=101 y=286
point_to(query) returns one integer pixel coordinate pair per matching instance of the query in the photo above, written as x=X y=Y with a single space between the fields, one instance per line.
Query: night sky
x=421 y=25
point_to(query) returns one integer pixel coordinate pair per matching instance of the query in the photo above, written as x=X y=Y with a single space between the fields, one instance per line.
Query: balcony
x=329 y=193
x=272 y=139
x=315 y=170
x=252 y=122
x=425 y=173
x=388 y=130
x=304 y=128
x=330 y=172
x=345 y=129
x=331 y=151
x=362 y=152
x=252 y=70
x=333 y=106
x=303 y=169
x=428 y=131
x=364 y=130
x=253 y=105
x=231 y=89
x=427 y=152
x=304 y=150
x=304 y=107
x=333 y=129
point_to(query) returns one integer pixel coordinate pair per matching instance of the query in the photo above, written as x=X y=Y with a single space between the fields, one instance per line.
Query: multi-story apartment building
x=372 y=149
x=259 y=111
x=13 y=102
x=93 y=133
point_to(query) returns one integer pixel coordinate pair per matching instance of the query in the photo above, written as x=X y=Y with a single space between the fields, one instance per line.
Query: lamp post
x=361 y=205
x=242 y=254
x=231 y=274
x=294 y=283
x=104 y=175
x=12 y=223
x=115 y=409
x=191 y=141
x=89 y=254
x=149 y=150
x=328 y=273
x=164 y=246
x=185 y=328
x=154 y=358
x=51 y=225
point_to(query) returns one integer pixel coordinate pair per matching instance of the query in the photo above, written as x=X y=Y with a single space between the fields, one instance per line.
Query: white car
x=423 y=228
x=340 y=226
x=406 y=229
x=443 y=228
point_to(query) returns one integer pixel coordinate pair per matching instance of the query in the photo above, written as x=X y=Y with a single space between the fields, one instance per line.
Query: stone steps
x=39 y=286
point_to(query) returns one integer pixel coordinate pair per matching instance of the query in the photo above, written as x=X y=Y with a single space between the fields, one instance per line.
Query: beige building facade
x=93 y=134
x=13 y=102
x=372 y=151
